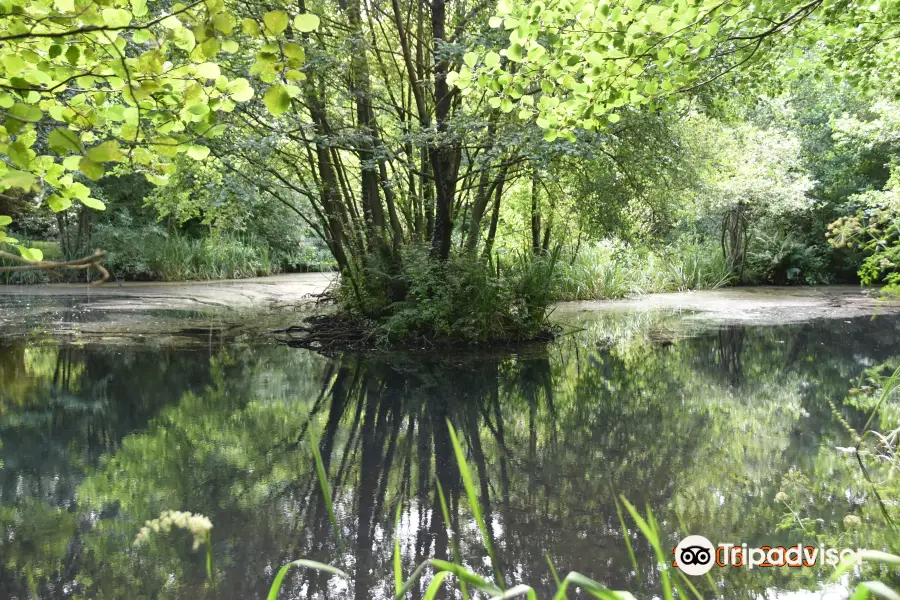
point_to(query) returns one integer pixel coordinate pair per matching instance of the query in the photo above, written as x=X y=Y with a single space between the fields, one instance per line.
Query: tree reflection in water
x=705 y=428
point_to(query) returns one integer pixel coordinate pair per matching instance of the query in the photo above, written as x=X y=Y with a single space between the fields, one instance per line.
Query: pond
x=703 y=424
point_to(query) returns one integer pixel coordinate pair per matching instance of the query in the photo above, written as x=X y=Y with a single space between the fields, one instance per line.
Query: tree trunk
x=441 y=154
x=535 y=214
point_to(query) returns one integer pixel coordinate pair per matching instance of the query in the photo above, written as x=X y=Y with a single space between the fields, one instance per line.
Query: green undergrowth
x=610 y=269
x=150 y=254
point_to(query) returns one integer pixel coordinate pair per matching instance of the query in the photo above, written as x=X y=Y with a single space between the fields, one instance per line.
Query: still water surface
x=703 y=425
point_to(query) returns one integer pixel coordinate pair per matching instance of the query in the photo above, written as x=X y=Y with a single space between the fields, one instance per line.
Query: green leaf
x=250 y=27
x=25 y=112
x=491 y=60
x=200 y=109
x=514 y=53
x=239 y=89
x=294 y=52
x=5 y=220
x=73 y=53
x=276 y=21
x=277 y=99
x=62 y=141
x=106 y=152
x=306 y=23
x=224 y=22
x=93 y=203
x=78 y=190
x=91 y=169
x=613 y=118
x=14 y=178
x=34 y=254
x=198 y=152
x=470 y=58
x=58 y=203
x=19 y=153
x=116 y=17
x=208 y=70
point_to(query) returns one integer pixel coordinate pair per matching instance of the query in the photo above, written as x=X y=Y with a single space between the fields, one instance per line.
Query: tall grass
x=150 y=254
x=612 y=269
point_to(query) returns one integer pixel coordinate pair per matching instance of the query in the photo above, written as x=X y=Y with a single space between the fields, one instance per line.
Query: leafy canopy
x=86 y=85
x=578 y=63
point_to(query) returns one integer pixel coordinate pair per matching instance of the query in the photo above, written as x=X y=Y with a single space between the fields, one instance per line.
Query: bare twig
x=94 y=261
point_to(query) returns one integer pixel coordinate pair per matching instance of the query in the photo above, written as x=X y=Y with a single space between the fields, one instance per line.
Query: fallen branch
x=94 y=261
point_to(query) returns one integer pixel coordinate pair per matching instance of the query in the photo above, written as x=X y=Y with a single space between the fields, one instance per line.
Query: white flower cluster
x=852 y=521
x=198 y=525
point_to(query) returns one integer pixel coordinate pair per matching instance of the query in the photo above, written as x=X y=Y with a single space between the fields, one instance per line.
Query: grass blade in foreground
x=874 y=589
x=398 y=565
x=435 y=585
x=463 y=574
x=323 y=482
x=516 y=591
x=651 y=532
x=308 y=564
x=627 y=535
x=473 y=501
x=454 y=544
x=597 y=590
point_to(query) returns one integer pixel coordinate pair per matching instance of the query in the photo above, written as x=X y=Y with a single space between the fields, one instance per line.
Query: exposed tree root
x=333 y=333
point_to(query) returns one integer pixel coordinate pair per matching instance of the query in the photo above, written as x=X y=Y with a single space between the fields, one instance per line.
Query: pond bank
x=255 y=306
x=763 y=305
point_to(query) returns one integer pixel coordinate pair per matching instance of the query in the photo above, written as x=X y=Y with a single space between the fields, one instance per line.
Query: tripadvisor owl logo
x=694 y=555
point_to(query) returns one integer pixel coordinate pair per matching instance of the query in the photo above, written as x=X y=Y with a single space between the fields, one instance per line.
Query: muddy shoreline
x=183 y=313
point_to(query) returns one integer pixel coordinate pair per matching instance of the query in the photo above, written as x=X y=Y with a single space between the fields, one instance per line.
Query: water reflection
x=706 y=428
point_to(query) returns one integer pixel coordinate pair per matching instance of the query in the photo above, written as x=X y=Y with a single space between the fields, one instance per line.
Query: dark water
x=704 y=428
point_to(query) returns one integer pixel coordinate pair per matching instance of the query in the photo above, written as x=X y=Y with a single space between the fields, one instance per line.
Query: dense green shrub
x=462 y=299
x=783 y=259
